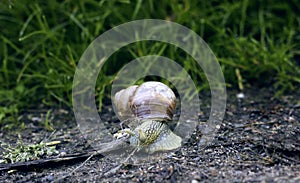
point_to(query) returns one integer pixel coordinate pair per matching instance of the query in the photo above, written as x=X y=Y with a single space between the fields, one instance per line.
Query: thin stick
x=25 y=166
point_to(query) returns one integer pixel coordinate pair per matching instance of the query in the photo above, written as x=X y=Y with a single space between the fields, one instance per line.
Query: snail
x=149 y=107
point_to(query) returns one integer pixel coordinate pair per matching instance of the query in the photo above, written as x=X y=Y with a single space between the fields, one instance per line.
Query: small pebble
x=240 y=95
x=36 y=119
x=194 y=181
x=48 y=178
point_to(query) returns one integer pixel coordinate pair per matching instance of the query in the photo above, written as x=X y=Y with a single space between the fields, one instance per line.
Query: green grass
x=42 y=41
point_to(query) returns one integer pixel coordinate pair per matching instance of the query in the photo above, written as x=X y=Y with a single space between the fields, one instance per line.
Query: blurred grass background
x=257 y=43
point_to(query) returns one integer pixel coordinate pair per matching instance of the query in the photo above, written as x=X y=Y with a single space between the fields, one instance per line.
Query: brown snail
x=150 y=106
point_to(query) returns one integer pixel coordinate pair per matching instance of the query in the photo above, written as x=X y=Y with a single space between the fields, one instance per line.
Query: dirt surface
x=258 y=141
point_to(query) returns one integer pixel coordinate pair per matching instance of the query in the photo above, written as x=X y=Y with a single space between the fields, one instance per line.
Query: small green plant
x=7 y=111
x=47 y=122
x=23 y=153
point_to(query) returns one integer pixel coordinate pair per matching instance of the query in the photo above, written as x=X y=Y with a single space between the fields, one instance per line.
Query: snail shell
x=151 y=105
x=151 y=100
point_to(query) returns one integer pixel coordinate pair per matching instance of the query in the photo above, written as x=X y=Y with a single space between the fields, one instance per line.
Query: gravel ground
x=258 y=141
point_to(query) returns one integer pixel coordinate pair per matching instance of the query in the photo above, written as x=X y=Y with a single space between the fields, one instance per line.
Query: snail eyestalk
x=123 y=134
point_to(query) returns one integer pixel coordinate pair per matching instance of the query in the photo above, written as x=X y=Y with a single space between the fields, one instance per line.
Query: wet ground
x=258 y=141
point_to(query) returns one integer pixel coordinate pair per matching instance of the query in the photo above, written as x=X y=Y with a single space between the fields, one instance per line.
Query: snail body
x=150 y=107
